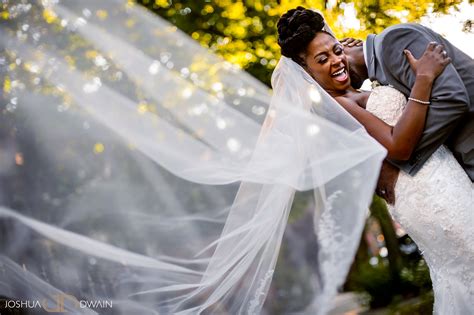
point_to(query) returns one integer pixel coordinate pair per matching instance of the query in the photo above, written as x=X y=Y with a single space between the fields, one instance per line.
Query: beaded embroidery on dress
x=435 y=207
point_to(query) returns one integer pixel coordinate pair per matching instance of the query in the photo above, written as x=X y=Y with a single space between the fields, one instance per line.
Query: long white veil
x=138 y=168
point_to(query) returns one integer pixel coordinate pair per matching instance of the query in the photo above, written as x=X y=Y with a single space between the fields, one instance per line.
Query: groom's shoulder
x=401 y=32
x=405 y=26
x=395 y=38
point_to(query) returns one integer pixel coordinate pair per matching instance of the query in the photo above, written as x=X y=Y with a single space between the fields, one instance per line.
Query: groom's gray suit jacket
x=450 y=118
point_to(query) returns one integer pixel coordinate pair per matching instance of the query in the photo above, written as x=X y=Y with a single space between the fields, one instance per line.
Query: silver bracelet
x=419 y=101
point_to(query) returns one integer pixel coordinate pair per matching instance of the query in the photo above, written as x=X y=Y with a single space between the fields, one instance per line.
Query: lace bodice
x=435 y=208
x=386 y=103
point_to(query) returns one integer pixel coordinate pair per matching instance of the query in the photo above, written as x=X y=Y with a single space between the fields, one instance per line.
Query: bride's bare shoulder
x=358 y=98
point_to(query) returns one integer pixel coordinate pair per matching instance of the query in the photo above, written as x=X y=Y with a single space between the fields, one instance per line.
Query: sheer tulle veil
x=139 y=168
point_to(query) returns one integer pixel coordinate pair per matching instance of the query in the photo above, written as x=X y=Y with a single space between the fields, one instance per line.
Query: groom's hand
x=350 y=42
x=386 y=183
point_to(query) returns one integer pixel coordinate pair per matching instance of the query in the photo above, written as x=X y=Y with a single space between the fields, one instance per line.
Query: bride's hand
x=432 y=63
x=387 y=181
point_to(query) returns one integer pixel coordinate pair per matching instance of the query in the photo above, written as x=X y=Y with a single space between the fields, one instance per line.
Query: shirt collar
x=364 y=48
x=369 y=55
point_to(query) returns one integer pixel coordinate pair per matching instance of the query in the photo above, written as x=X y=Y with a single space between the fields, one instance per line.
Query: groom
x=450 y=118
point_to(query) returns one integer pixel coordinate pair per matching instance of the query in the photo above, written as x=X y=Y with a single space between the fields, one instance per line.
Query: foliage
x=417 y=306
x=244 y=31
x=382 y=287
x=376 y=281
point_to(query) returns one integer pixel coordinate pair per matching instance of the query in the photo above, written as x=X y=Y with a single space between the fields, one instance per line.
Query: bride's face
x=327 y=64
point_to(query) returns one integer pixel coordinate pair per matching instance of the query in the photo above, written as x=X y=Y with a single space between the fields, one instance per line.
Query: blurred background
x=389 y=275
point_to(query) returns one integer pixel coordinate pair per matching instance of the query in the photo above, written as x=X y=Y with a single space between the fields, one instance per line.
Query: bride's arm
x=401 y=139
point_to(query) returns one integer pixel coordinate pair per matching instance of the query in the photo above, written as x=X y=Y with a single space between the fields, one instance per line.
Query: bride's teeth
x=338 y=72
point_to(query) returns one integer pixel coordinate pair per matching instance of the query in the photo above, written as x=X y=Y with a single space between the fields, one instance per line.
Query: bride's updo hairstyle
x=296 y=29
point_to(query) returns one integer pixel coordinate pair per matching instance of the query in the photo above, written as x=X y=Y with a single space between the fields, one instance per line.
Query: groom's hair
x=296 y=29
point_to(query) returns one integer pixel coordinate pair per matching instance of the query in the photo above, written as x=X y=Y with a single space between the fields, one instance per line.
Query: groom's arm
x=449 y=98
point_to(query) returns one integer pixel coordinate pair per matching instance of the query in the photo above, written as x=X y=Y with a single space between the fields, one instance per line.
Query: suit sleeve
x=449 y=98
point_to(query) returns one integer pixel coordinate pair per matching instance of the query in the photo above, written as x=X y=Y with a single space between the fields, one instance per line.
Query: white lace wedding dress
x=436 y=208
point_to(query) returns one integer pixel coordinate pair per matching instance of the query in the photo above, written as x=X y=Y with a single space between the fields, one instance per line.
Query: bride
x=434 y=205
